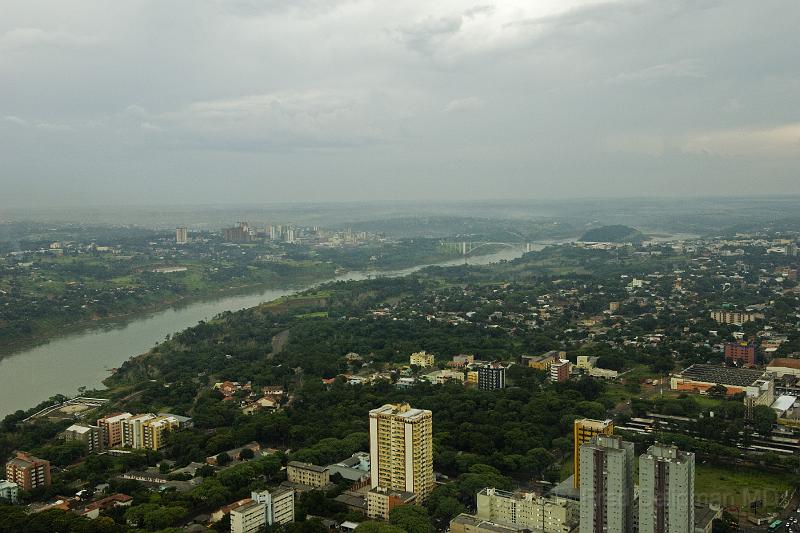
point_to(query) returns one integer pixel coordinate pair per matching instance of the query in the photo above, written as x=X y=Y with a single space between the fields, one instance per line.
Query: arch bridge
x=465 y=248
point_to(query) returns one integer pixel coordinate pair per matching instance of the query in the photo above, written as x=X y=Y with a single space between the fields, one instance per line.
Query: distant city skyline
x=241 y=101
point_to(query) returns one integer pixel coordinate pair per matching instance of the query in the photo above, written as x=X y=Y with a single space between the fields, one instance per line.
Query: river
x=84 y=358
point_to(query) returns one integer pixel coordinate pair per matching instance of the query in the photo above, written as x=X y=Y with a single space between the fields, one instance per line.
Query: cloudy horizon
x=246 y=101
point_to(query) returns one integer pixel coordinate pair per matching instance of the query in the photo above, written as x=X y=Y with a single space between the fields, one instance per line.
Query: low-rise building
x=440 y=377
x=94 y=509
x=466 y=523
x=701 y=377
x=542 y=362
x=421 y=359
x=549 y=514
x=9 y=491
x=784 y=366
x=381 y=501
x=308 y=474
x=736 y=318
x=588 y=365
x=354 y=468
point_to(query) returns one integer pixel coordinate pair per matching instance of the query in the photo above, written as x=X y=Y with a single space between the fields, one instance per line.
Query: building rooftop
x=402 y=410
x=352 y=500
x=665 y=452
x=723 y=375
x=785 y=362
x=77 y=428
x=474 y=521
x=784 y=403
x=247 y=507
x=308 y=466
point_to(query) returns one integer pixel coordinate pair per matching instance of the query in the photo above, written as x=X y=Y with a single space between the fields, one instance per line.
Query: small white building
x=9 y=491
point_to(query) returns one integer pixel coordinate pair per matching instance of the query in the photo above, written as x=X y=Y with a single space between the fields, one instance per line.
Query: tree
x=717 y=391
x=764 y=419
x=246 y=453
x=223 y=459
x=411 y=518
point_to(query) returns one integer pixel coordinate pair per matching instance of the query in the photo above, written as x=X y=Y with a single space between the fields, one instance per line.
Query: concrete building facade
x=28 y=472
x=111 y=426
x=279 y=505
x=421 y=359
x=401 y=449
x=606 y=486
x=9 y=491
x=91 y=436
x=248 y=518
x=583 y=431
x=308 y=474
x=666 y=490
x=549 y=514
x=492 y=377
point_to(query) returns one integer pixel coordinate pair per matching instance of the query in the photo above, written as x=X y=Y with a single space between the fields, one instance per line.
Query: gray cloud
x=242 y=100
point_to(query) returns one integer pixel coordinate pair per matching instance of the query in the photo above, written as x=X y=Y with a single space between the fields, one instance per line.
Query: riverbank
x=47 y=329
x=8 y=349
x=83 y=358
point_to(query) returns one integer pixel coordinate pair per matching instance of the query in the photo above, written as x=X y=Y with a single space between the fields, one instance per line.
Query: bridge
x=465 y=248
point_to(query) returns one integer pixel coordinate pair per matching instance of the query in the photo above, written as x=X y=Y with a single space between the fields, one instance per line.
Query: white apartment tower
x=606 y=485
x=666 y=490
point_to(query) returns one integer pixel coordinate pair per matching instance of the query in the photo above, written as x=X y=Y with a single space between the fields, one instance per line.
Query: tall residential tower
x=666 y=490
x=401 y=453
x=606 y=485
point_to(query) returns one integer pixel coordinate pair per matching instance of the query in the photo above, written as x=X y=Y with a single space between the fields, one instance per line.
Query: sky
x=245 y=101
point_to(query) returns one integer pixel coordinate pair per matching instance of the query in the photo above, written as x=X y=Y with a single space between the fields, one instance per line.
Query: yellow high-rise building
x=401 y=450
x=583 y=432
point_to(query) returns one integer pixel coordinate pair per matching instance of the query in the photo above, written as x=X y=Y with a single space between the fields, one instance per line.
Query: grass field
x=739 y=486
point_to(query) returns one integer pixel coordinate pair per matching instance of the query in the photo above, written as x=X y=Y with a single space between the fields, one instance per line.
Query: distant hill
x=615 y=233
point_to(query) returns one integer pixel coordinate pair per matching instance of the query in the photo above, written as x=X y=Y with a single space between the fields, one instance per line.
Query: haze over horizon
x=245 y=102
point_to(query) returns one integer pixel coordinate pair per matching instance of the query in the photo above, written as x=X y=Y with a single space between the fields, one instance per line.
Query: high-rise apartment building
x=492 y=376
x=401 y=450
x=155 y=431
x=583 y=431
x=666 y=490
x=606 y=485
x=133 y=430
x=181 y=235
x=547 y=514
x=28 y=472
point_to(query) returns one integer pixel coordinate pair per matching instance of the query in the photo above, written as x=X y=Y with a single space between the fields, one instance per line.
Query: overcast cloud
x=247 y=101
